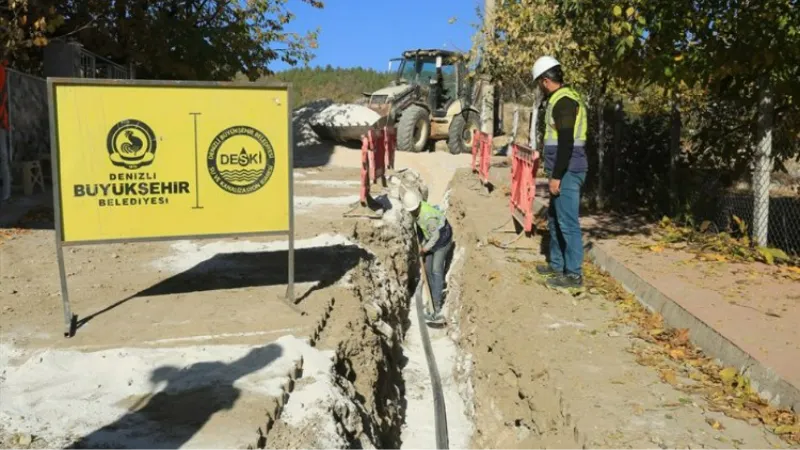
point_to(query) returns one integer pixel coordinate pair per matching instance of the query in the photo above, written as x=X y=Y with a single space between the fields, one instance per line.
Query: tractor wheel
x=413 y=130
x=462 y=131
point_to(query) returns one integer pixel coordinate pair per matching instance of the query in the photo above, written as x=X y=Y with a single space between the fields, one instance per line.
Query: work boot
x=569 y=281
x=546 y=270
x=435 y=318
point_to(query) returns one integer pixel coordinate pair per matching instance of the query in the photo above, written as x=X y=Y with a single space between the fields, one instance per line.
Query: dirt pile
x=557 y=369
x=515 y=403
x=304 y=135
x=364 y=407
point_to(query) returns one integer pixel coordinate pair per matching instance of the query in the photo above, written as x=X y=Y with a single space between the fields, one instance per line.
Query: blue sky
x=368 y=33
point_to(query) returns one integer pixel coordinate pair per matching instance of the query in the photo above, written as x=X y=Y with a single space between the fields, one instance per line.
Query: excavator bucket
x=345 y=122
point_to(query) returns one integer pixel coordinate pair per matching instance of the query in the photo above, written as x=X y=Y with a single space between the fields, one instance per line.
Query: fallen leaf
x=787 y=429
x=677 y=353
x=697 y=376
x=681 y=337
x=656 y=248
x=712 y=257
x=714 y=424
x=654 y=321
x=728 y=375
x=669 y=376
x=771 y=255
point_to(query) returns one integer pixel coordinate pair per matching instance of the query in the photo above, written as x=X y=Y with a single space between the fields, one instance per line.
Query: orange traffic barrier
x=481 y=155
x=524 y=164
x=389 y=145
x=377 y=148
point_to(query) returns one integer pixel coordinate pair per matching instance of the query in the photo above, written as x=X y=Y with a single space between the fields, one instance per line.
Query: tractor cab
x=438 y=74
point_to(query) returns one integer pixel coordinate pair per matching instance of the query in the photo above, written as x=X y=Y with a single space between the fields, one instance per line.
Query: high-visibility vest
x=581 y=121
x=430 y=219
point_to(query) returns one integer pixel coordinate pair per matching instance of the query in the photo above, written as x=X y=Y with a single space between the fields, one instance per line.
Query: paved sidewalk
x=746 y=315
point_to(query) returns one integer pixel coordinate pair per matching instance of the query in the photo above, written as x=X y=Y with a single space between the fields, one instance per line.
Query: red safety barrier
x=481 y=155
x=524 y=164
x=389 y=145
x=377 y=147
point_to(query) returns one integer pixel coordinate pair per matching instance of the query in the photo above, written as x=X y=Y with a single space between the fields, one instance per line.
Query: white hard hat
x=542 y=65
x=410 y=200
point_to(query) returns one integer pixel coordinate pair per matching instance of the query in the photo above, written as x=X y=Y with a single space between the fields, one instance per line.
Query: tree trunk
x=763 y=162
x=674 y=152
x=487 y=119
x=616 y=190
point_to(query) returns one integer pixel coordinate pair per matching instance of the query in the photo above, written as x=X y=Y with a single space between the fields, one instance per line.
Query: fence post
x=533 y=138
x=601 y=149
x=515 y=120
x=5 y=165
x=763 y=162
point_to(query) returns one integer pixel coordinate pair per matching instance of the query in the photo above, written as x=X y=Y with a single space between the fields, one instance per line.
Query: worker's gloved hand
x=555 y=187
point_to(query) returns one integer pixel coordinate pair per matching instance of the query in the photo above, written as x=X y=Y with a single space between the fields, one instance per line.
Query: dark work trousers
x=435 y=262
x=566 y=243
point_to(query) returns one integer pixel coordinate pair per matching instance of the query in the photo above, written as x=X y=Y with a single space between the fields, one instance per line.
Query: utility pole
x=487 y=105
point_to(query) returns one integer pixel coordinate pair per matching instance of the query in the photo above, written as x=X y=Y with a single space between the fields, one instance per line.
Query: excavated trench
x=361 y=396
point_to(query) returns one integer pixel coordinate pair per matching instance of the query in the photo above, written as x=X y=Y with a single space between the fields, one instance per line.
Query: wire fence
x=638 y=176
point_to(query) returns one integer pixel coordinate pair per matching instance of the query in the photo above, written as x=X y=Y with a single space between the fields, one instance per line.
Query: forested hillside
x=342 y=85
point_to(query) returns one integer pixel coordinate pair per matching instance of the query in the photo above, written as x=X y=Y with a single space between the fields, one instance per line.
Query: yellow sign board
x=148 y=160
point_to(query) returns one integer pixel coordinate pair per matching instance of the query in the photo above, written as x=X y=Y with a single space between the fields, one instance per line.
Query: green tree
x=340 y=85
x=24 y=26
x=191 y=39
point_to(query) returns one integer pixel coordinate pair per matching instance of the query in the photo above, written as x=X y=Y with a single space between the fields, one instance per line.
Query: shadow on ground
x=171 y=417
x=318 y=155
x=33 y=212
x=323 y=266
x=609 y=226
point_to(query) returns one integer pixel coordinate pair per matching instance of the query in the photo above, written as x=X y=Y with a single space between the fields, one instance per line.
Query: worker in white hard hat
x=435 y=244
x=565 y=164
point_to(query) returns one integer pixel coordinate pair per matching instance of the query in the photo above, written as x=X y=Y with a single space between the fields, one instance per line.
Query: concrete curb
x=765 y=381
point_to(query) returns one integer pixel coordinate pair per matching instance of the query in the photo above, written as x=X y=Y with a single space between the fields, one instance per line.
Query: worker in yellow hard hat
x=436 y=242
x=565 y=164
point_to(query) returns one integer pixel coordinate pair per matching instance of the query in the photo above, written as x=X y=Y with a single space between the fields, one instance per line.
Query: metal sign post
x=141 y=161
